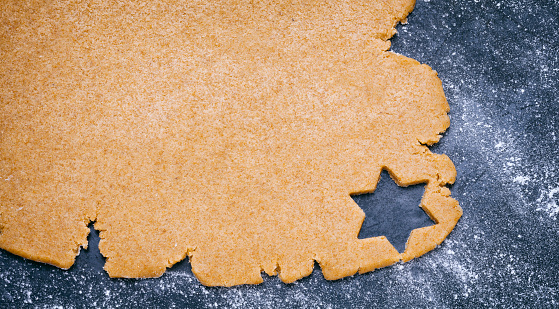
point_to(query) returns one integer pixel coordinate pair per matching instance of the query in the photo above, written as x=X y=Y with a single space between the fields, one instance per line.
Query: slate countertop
x=499 y=64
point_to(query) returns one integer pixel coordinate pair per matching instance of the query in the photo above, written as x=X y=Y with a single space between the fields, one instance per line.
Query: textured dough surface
x=231 y=132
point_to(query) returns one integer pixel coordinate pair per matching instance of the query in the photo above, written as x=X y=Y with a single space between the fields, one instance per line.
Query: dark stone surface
x=499 y=63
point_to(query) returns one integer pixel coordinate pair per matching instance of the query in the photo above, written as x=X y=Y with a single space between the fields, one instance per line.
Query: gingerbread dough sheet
x=231 y=132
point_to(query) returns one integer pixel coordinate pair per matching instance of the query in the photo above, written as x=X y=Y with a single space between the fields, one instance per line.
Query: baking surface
x=499 y=66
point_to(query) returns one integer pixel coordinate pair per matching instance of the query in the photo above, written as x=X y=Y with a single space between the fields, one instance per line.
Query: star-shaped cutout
x=392 y=211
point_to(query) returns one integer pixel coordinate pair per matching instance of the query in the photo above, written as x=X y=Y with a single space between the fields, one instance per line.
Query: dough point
x=231 y=132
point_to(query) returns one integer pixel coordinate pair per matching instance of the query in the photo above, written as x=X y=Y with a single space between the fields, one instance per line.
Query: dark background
x=499 y=64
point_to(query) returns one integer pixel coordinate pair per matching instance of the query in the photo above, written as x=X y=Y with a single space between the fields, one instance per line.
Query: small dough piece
x=232 y=132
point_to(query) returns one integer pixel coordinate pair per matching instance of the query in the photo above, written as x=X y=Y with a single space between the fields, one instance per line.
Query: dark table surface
x=499 y=64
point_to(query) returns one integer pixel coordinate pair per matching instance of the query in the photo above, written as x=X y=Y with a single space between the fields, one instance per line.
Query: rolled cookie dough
x=231 y=132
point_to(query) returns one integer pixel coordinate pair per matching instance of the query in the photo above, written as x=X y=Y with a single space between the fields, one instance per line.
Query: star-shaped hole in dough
x=392 y=211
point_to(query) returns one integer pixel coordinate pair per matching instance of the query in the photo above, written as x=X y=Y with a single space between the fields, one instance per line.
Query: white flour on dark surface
x=499 y=65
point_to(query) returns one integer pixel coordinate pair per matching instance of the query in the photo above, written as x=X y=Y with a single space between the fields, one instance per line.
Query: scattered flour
x=547 y=202
x=521 y=179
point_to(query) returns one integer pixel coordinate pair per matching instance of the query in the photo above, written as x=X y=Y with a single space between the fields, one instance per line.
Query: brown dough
x=232 y=132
